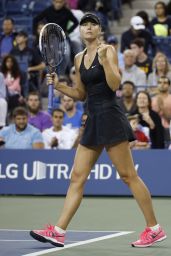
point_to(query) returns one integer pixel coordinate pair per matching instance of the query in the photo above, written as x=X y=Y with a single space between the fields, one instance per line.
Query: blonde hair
x=158 y=55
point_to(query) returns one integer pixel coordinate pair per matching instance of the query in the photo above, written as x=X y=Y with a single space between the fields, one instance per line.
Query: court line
x=72 y=230
x=78 y=244
x=32 y=240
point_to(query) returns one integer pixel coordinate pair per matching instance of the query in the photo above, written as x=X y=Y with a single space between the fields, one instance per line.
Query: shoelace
x=49 y=227
x=146 y=234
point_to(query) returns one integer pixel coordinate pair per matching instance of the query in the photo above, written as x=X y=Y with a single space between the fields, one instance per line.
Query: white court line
x=17 y=240
x=68 y=241
x=78 y=244
x=89 y=231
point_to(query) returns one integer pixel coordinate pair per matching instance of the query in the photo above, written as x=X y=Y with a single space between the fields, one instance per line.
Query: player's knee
x=77 y=177
x=128 y=178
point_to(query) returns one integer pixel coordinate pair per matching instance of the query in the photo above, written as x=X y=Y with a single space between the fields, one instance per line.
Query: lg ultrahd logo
x=39 y=170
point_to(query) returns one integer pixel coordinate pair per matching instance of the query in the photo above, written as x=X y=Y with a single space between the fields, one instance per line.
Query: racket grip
x=50 y=98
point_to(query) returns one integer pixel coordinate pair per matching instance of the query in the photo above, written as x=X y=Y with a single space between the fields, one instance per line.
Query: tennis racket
x=52 y=45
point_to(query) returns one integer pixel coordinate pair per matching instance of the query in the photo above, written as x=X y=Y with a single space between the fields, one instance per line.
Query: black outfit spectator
x=61 y=17
x=156 y=134
x=155 y=22
x=142 y=59
x=137 y=30
x=161 y=24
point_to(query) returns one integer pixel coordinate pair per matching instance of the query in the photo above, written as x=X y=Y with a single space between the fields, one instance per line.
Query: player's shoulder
x=78 y=58
x=79 y=55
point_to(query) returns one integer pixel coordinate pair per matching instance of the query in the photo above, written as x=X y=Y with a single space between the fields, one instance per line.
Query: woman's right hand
x=52 y=79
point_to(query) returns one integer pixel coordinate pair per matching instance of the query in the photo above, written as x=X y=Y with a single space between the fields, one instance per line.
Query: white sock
x=60 y=230
x=155 y=228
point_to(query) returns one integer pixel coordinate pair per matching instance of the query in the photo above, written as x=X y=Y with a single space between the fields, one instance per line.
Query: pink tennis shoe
x=49 y=234
x=148 y=237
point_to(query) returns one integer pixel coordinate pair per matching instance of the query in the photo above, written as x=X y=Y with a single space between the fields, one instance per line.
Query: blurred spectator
x=8 y=36
x=100 y=11
x=37 y=33
x=21 y=135
x=142 y=141
x=3 y=102
x=142 y=59
x=127 y=101
x=112 y=40
x=76 y=42
x=161 y=24
x=161 y=67
x=130 y=71
x=59 y=136
x=72 y=76
x=29 y=62
x=81 y=129
x=161 y=103
x=144 y=15
x=137 y=30
x=72 y=117
x=58 y=13
x=40 y=119
x=58 y=95
x=150 y=119
x=12 y=75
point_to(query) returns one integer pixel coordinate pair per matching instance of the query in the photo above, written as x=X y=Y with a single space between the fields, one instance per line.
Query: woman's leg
x=121 y=157
x=85 y=158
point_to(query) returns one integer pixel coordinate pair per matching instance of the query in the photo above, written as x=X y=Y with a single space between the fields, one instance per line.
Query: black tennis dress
x=106 y=123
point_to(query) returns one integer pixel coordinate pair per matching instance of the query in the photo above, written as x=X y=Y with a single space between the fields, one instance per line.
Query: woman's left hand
x=102 y=51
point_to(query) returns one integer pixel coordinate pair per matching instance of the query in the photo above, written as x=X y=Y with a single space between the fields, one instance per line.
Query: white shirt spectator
x=65 y=137
x=3 y=102
x=135 y=75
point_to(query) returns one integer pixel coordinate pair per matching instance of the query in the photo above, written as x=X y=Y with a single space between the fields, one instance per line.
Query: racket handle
x=50 y=98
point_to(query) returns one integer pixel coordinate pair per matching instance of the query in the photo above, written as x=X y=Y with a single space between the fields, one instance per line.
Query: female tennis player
x=106 y=127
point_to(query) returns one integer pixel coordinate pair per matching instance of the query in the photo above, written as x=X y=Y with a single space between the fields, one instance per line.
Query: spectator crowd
x=145 y=90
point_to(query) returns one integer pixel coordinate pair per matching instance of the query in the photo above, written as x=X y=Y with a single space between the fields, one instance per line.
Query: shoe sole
x=44 y=240
x=143 y=246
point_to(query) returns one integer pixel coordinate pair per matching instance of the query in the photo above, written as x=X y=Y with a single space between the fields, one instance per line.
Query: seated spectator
x=142 y=59
x=72 y=117
x=7 y=39
x=59 y=136
x=161 y=103
x=161 y=24
x=29 y=61
x=160 y=67
x=81 y=130
x=58 y=13
x=72 y=76
x=127 y=101
x=3 y=102
x=40 y=119
x=151 y=119
x=131 y=72
x=144 y=15
x=75 y=39
x=21 y=135
x=100 y=11
x=12 y=75
x=112 y=40
x=137 y=30
x=142 y=141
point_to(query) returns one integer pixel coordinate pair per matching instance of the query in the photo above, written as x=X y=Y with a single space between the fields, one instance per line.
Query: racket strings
x=52 y=45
